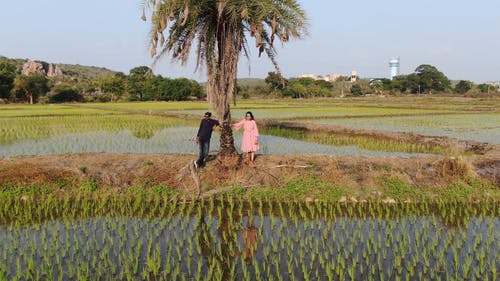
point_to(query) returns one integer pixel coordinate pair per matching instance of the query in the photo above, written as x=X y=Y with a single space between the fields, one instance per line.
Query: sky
x=459 y=37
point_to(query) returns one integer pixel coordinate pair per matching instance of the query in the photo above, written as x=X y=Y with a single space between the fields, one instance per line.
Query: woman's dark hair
x=249 y=113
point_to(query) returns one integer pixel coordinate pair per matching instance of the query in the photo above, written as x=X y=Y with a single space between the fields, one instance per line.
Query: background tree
x=183 y=88
x=137 y=81
x=295 y=89
x=218 y=28
x=463 y=86
x=386 y=84
x=305 y=87
x=410 y=83
x=487 y=88
x=113 y=85
x=431 y=79
x=30 y=87
x=276 y=82
x=356 y=90
x=65 y=93
x=377 y=86
x=7 y=76
x=320 y=88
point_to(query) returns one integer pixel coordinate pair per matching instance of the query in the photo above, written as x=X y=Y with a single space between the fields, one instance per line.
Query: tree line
x=426 y=79
x=139 y=85
x=142 y=85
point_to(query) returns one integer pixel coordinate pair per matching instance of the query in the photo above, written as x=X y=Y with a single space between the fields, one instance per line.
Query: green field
x=149 y=127
x=298 y=227
x=483 y=127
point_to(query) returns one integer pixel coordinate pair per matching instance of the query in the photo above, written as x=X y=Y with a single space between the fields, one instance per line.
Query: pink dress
x=250 y=135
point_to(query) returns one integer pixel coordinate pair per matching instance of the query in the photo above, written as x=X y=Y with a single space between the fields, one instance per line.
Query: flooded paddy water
x=478 y=127
x=230 y=240
x=172 y=140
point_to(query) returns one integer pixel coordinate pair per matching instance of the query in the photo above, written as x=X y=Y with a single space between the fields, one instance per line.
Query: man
x=207 y=125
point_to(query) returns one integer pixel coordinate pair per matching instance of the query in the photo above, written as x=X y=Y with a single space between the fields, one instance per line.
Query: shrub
x=356 y=90
x=65 y=94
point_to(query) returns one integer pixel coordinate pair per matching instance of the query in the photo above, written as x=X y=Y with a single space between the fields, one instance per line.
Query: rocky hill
x=26 y=66
x=48 y=69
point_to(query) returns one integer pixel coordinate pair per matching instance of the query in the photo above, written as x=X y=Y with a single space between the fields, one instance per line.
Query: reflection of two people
x=226 y=257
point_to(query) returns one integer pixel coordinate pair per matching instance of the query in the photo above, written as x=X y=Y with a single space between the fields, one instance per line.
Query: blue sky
x=459 y=37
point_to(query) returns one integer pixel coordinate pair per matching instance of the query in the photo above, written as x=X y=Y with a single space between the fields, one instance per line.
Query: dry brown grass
x=359 y=174
x=32 y=173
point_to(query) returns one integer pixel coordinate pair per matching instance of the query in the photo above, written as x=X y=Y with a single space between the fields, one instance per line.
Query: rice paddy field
x=478 y=127
x=168 y=127
x=32 y=134
x=120 y=239
x=153 y=232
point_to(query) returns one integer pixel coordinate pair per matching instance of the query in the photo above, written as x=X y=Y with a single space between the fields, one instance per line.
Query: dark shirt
x=206 y=127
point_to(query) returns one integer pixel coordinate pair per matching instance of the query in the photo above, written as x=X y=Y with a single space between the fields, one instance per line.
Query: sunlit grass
x=238 y=112
x=42 y=129
x=362 y=142
x=447 y=103
x=35 y=128
x=265 y=109
x=147 y=107
x=479 y=127
x=16 y=110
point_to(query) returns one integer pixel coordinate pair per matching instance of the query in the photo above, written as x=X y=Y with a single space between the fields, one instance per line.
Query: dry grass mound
x=360 y=175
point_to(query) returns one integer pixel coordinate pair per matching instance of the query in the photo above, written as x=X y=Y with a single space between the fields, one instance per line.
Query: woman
x=250 y=142
x=249 y=235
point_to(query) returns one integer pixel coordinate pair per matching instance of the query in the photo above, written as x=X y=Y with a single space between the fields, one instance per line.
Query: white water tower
x=394 y=65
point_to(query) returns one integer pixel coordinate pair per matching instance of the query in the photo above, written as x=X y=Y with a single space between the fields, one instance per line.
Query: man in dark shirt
x=207 y=125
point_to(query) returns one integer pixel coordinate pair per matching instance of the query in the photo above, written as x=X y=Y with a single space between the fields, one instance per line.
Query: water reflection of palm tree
x=223 y=257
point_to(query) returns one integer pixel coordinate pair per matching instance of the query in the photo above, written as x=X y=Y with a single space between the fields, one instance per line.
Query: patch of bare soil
x=121 y=171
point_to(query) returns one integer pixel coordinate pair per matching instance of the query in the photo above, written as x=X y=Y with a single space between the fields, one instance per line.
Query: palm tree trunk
x=223 y=112
x=221 y=84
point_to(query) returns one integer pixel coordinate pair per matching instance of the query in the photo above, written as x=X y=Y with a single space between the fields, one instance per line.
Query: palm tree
x=218 y=29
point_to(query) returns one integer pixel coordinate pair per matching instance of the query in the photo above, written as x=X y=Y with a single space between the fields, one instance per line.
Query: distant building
x=328 y=77
x=394 y=66
x=354 y=76
x=312 y=76
x=333 y=77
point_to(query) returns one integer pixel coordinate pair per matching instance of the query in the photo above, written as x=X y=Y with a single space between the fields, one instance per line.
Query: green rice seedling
x=494 y=273
x=362 y=142
x=349 y=242
x=461 y=126
x=153 y=264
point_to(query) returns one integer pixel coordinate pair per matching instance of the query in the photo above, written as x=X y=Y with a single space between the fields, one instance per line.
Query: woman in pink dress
x=250 y=142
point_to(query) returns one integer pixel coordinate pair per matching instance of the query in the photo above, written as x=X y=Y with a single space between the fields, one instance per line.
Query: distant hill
x=93 y=72
x=73 y=70
x=18 y=62
x=87 y=72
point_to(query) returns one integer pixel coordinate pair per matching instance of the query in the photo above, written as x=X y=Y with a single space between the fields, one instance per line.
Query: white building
x=328 y=77
x=394 y=66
